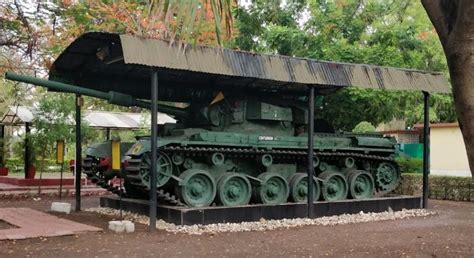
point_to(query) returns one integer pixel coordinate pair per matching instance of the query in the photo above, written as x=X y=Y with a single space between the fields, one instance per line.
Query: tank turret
x=243 y=115
x=229 y=114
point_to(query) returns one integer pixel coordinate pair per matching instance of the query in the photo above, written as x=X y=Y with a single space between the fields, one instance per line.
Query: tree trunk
x=43 y=157
x=454 y=23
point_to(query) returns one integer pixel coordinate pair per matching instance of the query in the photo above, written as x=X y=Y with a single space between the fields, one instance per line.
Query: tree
x=33 y=34
x=390 y=33
x=52 y=122
x=364 y=127
x=454 y=22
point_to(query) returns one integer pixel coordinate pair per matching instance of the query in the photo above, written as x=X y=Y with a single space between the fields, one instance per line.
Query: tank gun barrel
x=112 y=97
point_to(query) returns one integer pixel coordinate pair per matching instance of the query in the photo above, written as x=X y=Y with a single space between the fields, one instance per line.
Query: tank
x=247 y=150
x=97 y=164
x=238 y=150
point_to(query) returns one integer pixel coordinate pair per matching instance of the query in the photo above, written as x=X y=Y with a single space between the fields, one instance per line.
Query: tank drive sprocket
x=387 y=176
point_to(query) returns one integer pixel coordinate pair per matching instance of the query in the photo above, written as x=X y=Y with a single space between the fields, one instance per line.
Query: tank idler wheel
x=272 y=189
x=299 y=188
x=164 y=169
x=233 y=189
x=361 y=184
x=197 y=188
x=334 y=186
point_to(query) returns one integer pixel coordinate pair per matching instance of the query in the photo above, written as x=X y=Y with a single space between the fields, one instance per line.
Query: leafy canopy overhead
x=389 y=33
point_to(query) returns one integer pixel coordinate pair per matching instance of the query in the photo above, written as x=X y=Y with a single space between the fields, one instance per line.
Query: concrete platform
x=209 y=215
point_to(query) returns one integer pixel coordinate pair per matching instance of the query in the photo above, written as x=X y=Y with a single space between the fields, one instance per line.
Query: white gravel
x=263 y=224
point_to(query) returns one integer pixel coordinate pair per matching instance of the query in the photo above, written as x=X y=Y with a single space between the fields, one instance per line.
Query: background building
x=448 y=153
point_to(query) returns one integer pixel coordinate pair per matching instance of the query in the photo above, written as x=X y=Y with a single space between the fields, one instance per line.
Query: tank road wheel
x=299 y=188
x=334 y=186
x=387 y=177
x=361 y=184
x=164 y=169
x=272 y=190
x=197 y=188
x=233 y=189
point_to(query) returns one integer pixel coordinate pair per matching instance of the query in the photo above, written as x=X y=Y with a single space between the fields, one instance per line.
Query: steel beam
x=310 y=151
x=154 y=151
x=426 y=148
x=78 y=166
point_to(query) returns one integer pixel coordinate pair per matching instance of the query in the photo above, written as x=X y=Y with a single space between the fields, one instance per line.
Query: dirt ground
x=450 y=233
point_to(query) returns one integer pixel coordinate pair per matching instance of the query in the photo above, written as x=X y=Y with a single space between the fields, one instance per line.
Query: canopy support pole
x=78 y=166
x=310 y=151
x=154 y=151
x=27 y=149
x=2 y=145
x=107 y=133
x=426 y=148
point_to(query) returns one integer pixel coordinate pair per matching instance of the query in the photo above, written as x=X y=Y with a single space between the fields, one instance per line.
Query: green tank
x=97 y=164
x=238 y=150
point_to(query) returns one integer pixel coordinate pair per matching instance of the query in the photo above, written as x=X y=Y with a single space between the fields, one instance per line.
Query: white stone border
x=264 y=225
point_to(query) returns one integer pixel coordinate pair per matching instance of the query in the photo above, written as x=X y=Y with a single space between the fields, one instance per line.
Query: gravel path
x=264 y=225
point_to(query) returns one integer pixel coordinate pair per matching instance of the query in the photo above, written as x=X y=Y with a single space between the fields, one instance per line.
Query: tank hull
x=239 y=168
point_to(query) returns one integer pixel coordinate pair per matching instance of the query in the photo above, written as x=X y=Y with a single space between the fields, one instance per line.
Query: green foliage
x=440 y=187
x=388 y=33
x=410 y=165
x=16 y=165
x=363 y=127
x=54 y=120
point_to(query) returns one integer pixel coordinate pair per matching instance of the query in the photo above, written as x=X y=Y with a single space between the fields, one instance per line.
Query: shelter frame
x=115 y=61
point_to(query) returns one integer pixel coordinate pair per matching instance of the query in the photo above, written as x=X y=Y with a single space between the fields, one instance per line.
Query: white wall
x=448 y=154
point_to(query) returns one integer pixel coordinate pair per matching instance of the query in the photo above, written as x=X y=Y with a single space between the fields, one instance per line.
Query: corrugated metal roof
x=18 y=115
x=113 y=62
x=158 y=53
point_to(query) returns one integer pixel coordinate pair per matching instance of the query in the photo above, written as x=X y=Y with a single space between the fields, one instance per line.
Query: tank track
x=88 y=169
x=240 y=151
x=162 y=195
x=199 y=151
x=87 y=166
x=281 y=154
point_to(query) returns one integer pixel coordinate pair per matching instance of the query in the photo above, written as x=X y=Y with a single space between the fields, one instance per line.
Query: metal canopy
x=123 y=63
x=19 y=115
x=122 y=120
